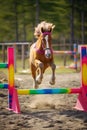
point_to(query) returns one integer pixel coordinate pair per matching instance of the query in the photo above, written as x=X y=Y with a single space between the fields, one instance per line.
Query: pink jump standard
x=12 y=92
x=82 y=98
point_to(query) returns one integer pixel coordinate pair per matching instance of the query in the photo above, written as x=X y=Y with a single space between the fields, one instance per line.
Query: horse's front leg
x=53 y=67
x=33 y=72
x=40 y=67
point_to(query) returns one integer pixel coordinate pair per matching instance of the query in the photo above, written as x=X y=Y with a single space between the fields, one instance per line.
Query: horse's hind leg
x=53 y=67
x=33 y=72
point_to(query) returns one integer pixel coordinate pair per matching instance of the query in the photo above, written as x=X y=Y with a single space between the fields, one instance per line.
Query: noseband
x=46 y=33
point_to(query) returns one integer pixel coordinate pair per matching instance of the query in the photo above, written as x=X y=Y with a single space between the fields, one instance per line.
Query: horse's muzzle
x=47 y=53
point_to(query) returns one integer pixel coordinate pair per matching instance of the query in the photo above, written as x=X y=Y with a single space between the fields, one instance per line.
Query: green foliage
x=18 y=18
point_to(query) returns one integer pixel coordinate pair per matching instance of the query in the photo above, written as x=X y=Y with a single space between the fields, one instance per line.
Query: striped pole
x=67 y=52
x=44 y=91
x=63 y=52
x=3 y=86
x=49 y=91
x=75 y=56
x=3 y=65
x=74 y=53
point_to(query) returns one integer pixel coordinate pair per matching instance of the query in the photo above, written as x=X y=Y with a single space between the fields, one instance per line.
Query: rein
x=41 y=51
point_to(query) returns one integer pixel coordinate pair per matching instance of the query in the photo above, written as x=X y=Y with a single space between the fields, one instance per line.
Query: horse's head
x=43 y=32
x=46 y=43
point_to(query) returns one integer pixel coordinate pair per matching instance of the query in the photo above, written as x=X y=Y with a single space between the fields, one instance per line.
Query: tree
x=72 y=40
x=18 y=19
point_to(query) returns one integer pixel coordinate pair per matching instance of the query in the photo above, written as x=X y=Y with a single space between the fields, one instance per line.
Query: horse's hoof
x=52 y=83
x=35 y=86
x=38 y=82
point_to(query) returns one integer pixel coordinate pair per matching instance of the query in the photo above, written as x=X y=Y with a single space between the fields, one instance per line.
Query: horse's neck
x=38 y=44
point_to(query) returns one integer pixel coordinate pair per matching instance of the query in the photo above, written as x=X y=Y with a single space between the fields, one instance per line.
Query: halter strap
x=38 y=50
x=41 y=51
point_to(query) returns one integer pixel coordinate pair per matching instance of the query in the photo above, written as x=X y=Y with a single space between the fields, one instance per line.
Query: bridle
x=45 y=50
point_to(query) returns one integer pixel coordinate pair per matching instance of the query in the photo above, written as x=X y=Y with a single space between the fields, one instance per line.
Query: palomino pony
x=41 y=53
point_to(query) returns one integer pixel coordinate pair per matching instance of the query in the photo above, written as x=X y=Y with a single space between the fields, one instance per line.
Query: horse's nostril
x=48 y=55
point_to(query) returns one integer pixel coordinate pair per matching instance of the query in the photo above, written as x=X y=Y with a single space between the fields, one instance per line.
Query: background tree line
x=19 y=17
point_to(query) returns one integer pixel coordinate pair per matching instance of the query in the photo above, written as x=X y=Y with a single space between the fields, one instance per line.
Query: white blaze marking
x=47 y=44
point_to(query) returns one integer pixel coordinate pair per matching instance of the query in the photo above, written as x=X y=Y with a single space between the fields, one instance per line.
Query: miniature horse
x=41 y=53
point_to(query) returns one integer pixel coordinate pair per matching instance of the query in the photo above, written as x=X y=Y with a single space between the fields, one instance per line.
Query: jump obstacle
x=13 y=102
x=74 y=53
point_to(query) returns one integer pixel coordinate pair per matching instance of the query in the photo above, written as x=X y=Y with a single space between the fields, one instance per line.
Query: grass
x=59 y=61
x=61 y=71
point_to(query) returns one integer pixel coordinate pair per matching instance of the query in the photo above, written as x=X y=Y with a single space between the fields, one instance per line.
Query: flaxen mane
x=46 y=27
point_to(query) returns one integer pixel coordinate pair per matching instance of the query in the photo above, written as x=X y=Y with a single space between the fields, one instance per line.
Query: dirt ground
x=44 y=112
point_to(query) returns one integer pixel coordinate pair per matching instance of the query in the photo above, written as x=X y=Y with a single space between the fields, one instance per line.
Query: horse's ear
x=42 y=30
x=53 y=26
x=50 y=30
